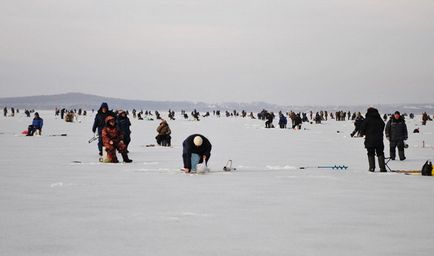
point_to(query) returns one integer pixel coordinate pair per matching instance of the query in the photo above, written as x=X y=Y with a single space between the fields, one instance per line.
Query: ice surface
x=53 y=206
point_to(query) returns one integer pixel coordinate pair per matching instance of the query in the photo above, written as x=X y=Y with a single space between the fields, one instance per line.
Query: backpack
x=427 y=169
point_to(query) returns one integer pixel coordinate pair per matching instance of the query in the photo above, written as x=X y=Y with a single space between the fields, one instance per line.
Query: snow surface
x=53 y=206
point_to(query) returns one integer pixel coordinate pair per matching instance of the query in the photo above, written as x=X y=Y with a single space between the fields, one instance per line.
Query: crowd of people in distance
x=112 y=128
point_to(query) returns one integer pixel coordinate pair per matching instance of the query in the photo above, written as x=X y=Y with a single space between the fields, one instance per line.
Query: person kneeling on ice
x=112 y=139
x=163 y=138
x=196 y=150
x=36 y=125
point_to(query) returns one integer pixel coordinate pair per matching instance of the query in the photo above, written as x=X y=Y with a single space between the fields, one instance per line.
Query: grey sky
x=285 y=52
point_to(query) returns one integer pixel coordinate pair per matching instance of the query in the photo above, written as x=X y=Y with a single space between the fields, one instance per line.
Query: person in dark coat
x=372 y=128
x=36 y=125
x=297 y=121
x=283 y=121
x=195 y=144
x=112 y=139
x=357 y=124
x=99 y=123
x=123 y=123
x=396 y=133
x=270 y=119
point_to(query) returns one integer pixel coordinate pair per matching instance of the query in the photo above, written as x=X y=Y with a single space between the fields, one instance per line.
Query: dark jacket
x=124 y=125
x=100 y=117
x=189 y=148
x=359 y=121
x=283 y=120
x=372 y=127
x=396 y=129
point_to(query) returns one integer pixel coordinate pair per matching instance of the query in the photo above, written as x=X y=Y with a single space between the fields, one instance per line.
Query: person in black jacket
x=195 y=144
x=99 y=123
x=396 y=133
x=123 y=123
x=372 y=128
x=357 y=123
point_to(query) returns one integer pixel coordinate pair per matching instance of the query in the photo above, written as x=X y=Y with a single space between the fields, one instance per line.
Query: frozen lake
x=53 y=206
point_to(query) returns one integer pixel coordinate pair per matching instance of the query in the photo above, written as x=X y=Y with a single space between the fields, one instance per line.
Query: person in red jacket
x=112 y=140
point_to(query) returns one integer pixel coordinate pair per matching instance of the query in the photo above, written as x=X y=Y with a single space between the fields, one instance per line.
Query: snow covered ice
x=52 y=205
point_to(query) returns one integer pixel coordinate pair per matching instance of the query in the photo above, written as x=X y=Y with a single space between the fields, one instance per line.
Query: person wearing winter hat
x=195 y=146
x=112 y=139
x=396 y=133
x=163 y=138
x=99 y=123
x=372 y=128
x=123 y=123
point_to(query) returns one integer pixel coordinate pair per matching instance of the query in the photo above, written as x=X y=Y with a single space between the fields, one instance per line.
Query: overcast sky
x=285 y=52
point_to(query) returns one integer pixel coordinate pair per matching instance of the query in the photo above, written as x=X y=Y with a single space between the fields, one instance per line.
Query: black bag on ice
x=427 y=169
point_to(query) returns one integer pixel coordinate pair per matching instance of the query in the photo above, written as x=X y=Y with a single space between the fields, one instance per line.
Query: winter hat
x=198 y=141
x=104 y=105
x=397 y=113
x=107 y=119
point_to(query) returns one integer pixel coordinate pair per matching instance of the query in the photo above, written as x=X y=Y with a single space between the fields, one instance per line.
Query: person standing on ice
x=196 y=149
x=372 y=128
x=396 y=133
x=282 y=121
x=124 y=124
x=99 y=123
x=112 y=139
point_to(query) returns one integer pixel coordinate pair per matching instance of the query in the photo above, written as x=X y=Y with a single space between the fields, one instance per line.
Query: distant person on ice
x=36 y=125
x=163 y=138
x=372 y=128
x=196 y=149
x=357 y=123
x=396 y=133
x=99 y=123
x=112 y=139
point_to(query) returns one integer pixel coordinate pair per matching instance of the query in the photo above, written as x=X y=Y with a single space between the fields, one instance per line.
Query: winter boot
x=125 y=158
x=401 y=155
x=382 y=164
x=371 y=160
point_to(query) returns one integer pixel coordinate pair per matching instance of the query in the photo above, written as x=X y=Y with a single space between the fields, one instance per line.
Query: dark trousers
x=100 y=141
x=393 y=145
x=163 y=140
x=378 y=149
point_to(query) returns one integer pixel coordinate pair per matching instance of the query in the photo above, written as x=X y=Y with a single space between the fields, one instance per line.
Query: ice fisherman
x=36 y=126
x=372 y=128
x=99 y=123
x=123 y=123
x=196 y=149
x=396 y=133
x=112 y=139
x=163 y=138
